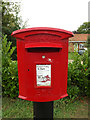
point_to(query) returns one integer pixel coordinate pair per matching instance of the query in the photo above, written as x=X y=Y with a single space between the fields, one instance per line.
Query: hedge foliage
x=77 y=73
x=78 y=76
x=9 y=70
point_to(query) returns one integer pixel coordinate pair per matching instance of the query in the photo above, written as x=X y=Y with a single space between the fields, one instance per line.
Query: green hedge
x=77 y=73
x=9 y=70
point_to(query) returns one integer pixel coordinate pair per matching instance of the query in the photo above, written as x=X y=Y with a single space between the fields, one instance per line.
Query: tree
x=11 y=20
x=84 y=28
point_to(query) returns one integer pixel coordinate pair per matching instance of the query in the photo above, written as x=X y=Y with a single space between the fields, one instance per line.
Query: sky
x=63 y=14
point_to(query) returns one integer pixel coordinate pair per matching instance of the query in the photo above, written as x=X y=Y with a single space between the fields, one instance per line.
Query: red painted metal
x=38 y=45
x=32 y=45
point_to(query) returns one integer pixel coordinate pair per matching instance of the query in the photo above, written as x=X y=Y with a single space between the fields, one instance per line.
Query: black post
x=43 y=110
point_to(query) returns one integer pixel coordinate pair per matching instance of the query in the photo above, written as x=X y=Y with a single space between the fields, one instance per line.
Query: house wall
x=78 y=38
x=71 y=47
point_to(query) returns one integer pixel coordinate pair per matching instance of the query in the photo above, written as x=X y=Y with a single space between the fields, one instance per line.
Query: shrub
x=9 y=70
x=78 y=75
x=73 y=92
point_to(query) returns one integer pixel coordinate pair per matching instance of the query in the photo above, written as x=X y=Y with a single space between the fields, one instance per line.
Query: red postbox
x=42 y=55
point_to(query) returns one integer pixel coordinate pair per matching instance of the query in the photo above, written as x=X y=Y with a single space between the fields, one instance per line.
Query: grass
x=76 y=109
x=17 y=108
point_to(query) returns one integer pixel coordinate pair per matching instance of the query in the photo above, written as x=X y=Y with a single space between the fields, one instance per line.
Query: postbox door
x=41 y=59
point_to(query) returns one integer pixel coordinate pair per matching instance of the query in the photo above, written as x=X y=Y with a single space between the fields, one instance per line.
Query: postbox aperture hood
x=22 y=33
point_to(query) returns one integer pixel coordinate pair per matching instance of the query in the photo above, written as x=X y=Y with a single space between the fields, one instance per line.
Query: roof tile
x=79 y=37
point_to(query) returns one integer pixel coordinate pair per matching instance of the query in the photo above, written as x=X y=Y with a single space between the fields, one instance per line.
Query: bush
x=73 y=92
x=9 y=70
x=78 y=75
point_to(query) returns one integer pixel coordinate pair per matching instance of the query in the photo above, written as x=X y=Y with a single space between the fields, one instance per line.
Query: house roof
x=79 y=37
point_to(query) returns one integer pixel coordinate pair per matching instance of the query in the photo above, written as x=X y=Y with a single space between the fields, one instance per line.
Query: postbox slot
x=43 y=49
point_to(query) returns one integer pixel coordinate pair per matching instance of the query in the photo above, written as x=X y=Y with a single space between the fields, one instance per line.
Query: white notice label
x=43 y=73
